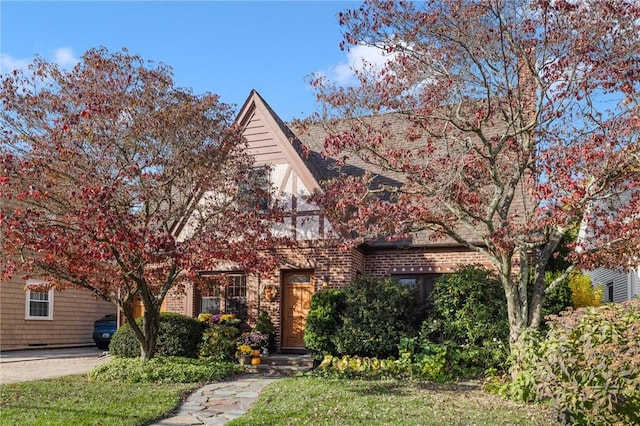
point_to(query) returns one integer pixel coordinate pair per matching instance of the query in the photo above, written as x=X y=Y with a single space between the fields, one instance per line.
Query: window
x=422 y=284
x=38 y=304
x=228 y=296
x=236 y=297
x=211 y=299
x=610 y=292
x=255 y=190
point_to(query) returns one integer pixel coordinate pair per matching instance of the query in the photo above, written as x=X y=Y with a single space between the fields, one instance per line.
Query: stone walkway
x=217 y=403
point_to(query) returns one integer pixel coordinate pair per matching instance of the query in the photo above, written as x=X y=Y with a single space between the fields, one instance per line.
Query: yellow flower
x=244 y=350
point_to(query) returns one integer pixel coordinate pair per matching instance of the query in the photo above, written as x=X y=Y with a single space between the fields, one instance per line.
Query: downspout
x=259 y=292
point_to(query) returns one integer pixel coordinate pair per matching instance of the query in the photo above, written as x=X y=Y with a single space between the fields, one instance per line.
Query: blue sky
x=226 y=48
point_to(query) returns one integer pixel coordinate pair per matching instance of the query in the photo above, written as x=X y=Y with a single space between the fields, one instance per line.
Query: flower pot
x=244 y=359
x=256 y=360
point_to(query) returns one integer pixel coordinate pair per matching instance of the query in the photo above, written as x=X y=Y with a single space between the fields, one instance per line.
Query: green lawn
x=315 y=401
x=73 y=400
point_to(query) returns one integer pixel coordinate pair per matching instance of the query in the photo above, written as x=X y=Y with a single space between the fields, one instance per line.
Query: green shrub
x=264 y=324
x=587 y=366
x=163 y=370
x=357 y=367
x=377 y=314
x=124 y=342
x=178 y=335
x=219 y=342
x=323 y=321
x=447 y=361
x=467 y=307
x=559 y=298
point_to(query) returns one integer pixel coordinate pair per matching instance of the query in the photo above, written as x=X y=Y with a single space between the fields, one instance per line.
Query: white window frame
x=27 y=311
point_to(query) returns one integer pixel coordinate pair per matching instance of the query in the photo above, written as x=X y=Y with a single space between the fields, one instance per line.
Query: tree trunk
x=516 y=305
x=148 y=345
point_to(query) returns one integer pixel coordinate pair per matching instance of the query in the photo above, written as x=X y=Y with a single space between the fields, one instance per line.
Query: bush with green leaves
x=178 y=335
x=323 y=321
x=377 y=313
x=447 y=361
x=467 y=307
x=558 y=299
x=357 y=367
x=587 y=366
x=264 y=324
x=163 y=370
x=219 y=342
x=368 y=318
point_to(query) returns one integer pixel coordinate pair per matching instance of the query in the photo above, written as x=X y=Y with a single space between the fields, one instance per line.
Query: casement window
x=229 y=297
x=38 y=304
x=610 y=292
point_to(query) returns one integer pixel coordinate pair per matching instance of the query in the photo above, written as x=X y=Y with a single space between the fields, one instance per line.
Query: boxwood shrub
x=178 y=335
x=378 y=313
x=323 y=321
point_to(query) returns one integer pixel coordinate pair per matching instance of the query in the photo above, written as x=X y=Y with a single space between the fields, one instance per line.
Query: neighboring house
x=317 y=263
x=52 y=318
x=29 y=318
x=617 y=286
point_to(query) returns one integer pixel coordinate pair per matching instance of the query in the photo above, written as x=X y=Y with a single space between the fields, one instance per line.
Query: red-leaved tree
x=519 y=123
x=115 y=181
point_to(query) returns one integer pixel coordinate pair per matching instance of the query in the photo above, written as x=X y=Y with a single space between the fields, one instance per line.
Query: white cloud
x=63 y=56
x=361 y=57
x=8 y=63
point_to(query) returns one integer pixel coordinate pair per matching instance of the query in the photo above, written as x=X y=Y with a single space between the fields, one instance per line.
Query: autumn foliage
x=497 y=125
x=583 y=293
x=116 y=181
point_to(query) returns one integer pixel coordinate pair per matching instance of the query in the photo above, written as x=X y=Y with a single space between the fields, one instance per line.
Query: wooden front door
x=298 y=288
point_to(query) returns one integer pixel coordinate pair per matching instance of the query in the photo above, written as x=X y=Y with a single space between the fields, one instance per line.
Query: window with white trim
x=38 y=304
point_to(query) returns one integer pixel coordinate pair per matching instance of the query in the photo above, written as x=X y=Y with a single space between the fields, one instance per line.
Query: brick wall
x=332 y=268
x=420 y=261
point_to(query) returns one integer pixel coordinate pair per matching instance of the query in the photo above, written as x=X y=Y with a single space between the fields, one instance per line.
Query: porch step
x=305 y=360
x=282 y=365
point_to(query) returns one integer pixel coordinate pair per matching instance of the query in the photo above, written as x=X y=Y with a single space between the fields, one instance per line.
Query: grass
x=317 y=401
x=74 y=400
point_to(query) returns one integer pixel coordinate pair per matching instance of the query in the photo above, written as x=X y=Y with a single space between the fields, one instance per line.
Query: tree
x=583 y=293
x=521 y=124
x=115 y=181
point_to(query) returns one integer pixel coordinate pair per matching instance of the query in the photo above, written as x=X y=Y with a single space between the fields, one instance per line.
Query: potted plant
x=243 y=354
x=254 y=340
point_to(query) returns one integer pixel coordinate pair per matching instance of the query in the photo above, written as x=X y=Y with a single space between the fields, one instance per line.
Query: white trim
x=27 y=304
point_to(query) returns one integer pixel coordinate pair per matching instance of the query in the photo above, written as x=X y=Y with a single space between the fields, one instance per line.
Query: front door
x=298 y=288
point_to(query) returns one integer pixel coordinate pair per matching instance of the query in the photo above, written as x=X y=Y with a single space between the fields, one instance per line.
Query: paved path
x=35 y=364
x=217 y=403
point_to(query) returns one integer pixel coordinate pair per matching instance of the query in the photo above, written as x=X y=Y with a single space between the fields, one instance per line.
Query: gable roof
x=270 y=141
x=303 y=147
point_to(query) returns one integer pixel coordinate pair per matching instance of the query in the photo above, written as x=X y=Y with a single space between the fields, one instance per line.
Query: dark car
x=103 y=330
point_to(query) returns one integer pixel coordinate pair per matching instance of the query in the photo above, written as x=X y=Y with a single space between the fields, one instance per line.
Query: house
x=317 y=262
x=30 y=319
x=617 y=286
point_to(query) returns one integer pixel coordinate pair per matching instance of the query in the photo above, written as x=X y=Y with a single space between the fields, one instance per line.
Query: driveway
x=35 y=364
